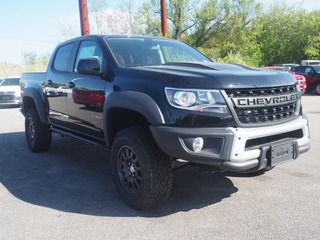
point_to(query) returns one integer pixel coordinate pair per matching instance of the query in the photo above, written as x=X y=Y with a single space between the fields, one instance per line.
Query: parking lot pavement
x=67 y=193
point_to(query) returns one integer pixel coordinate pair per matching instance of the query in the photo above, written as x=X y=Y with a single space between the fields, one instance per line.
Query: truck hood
x=219 y=75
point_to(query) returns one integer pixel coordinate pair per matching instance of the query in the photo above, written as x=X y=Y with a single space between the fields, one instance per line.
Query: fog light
x=197 y=144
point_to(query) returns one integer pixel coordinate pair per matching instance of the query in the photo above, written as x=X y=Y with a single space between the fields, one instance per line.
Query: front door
x=86 y=95
x=309 y=74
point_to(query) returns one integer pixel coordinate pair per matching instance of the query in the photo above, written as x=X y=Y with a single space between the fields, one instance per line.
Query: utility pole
x=84 y=19
x=164 y=25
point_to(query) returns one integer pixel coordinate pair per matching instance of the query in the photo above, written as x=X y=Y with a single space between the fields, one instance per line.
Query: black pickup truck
x=153 y=101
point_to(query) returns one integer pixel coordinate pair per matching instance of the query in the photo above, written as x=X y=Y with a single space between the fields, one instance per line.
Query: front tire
x=38 y=135
x=141 y=171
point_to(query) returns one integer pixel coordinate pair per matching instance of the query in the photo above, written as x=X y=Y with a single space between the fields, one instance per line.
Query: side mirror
x=90 y=66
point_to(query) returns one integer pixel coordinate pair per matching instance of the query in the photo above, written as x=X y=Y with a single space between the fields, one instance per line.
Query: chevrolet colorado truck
x=152 y=101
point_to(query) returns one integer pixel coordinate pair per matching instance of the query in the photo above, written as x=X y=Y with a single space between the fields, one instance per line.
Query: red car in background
x=301 y=79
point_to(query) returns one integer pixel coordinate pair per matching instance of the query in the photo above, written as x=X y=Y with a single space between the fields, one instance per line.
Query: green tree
x=311 y=49
x=209 y=22
x=288 y=34
x=180 y=17
x=229 y=27
x=147 y=19
x=239 y=30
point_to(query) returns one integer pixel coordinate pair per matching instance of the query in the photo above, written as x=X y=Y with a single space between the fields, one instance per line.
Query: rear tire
x=318 y=88
x=141 y=171
x=38 y=135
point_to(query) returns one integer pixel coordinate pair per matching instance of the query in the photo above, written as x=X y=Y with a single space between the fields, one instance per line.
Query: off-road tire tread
x=43 y=134
x=159 y=180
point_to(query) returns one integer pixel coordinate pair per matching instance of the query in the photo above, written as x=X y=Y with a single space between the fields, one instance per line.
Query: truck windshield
x=9 y=82
x=139 y=51
x=316 y=68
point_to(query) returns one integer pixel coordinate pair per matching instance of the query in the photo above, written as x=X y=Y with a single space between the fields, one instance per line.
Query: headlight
x=197 y=100
x=184 y=99
x=17 y=93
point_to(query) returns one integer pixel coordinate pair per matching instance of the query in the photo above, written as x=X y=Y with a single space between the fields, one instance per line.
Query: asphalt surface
x=68 y=193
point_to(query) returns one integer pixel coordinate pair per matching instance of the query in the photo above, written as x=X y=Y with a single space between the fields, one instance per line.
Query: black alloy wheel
x=129 y=169
x=141 y=172
x=30 y=130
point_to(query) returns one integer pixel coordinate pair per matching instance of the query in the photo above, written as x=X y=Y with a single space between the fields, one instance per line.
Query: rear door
x=86 y=94
x=55 y=84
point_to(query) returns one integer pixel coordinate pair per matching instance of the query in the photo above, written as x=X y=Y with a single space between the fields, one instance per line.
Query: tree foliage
x=35 y=63
x=180 y=17
x=32 y=62
x=238 y=30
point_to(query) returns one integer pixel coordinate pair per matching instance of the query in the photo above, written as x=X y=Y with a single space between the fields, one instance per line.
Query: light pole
x=164 y=25
x=84 y=19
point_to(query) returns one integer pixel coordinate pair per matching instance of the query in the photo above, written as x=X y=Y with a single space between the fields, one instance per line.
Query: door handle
x=71 y=85
x=50 y=82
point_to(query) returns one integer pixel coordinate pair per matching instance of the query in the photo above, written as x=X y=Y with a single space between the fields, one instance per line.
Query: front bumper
x=10 y=99
x=235 y=149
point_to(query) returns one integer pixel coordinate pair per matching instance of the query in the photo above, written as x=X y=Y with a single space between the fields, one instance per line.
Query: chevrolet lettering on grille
x=244 y=102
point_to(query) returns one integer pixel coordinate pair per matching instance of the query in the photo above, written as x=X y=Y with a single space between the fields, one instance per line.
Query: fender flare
x=135 y=101
x=38 y=101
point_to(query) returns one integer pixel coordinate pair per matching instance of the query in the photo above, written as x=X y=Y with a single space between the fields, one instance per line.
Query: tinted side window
x=309 y=70
x=62 y=57
x=300 y=69
x=89 y=49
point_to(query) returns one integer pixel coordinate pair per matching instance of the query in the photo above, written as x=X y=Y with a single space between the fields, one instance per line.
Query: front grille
x=264 y=114
x=6 y=97
x=261 y=91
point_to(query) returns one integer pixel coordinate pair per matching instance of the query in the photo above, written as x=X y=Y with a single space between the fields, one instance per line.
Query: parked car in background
x=287 y=65
x=10 y=91
x=310 y=62
x=301 y=79
x=312 y=75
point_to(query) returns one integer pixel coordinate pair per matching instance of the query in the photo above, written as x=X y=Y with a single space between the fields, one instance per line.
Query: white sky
x=33 y=25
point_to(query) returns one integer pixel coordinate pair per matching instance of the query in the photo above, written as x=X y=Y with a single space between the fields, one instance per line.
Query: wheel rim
x=30 y=131
x=129 y=169
x=318 y=89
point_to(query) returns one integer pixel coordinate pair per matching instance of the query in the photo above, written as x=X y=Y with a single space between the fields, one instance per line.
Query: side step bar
x=80 y=139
